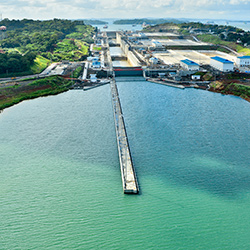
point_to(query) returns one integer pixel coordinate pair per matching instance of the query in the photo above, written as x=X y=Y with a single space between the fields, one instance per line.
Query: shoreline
x=22 y=93
x=219 y=92
x=13 y=95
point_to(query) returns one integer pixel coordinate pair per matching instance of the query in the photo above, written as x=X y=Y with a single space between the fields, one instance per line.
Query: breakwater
x=129 y=180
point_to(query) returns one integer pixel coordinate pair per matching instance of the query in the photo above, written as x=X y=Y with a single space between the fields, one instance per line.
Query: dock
x=129 y=180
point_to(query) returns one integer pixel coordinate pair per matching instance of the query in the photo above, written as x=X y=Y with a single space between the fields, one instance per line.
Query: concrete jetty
x=166 y=83
x=129 y=181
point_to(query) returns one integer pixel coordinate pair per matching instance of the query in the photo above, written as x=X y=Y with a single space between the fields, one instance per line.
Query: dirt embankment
x=14 y=94
x=232 y=87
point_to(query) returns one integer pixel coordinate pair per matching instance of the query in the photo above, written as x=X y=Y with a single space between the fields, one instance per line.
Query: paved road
x=53 y=69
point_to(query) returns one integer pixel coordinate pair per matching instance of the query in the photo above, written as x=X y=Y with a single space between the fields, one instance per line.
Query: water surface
x=60 y=179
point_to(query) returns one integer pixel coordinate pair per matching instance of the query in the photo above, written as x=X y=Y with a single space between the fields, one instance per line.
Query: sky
x=84 y=9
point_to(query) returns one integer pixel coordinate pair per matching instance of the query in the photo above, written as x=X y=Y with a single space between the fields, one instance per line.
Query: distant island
x=94 y=22
x=146 y=21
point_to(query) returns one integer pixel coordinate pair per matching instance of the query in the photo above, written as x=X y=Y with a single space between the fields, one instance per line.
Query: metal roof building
x=243 y=61
x=190 y=65
x=221 y=64
x=156 y=44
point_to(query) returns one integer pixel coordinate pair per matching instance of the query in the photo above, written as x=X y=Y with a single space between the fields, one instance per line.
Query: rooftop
x=244 y=57
x=189 y=62
x=222 y=60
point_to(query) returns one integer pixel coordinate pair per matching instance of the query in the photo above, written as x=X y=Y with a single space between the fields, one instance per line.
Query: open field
x=180 y=42
x=160 y=34
x=173 y=42
x=200 y=57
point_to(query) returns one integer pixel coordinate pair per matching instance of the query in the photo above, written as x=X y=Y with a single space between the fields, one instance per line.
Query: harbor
x=125 y=55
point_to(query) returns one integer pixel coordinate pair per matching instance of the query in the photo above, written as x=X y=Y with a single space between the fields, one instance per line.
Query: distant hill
x=94 y=22
x=147 y=21
x=30 y=25
x=28 y=45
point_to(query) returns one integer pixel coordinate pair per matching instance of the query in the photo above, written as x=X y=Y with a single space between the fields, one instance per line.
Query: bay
x=60 y=178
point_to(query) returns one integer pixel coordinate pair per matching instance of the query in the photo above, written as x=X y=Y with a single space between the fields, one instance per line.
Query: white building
x=153 y=60
x=96 y=64
x=243 y=61
x=156 y=44
x=142 y=36
x=190 y=65
x=195 y=77
x=221 y=64
x=93 y=78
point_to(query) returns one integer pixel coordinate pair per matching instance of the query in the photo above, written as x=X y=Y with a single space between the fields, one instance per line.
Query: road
x=53 y=69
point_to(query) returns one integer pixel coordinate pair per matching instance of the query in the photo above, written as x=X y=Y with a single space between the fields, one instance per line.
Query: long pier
x=129 y=180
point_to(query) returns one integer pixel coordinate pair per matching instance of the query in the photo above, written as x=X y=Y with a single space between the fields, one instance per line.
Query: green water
x=60 y=178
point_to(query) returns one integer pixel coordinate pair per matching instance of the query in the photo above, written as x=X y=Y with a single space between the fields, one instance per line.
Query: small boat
x=105 y=26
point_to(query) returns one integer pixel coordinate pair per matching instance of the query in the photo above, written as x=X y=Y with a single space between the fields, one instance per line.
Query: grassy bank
x=231 y=88
x=10 y=96
x=24 y=73
x=40 y=64
x=77 y=72
x=217 y=41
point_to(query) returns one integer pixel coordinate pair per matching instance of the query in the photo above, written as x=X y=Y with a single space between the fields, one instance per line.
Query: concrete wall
x=132 y=59
x=125 y=47
x=118 y=38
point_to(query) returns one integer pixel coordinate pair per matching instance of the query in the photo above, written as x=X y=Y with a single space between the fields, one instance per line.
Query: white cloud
x=46 y=9
x=237 y=2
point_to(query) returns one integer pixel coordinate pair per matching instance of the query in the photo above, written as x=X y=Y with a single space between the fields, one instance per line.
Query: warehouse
x=156 y=44
x=190 y=65
x=243 y=61
x=221 y=64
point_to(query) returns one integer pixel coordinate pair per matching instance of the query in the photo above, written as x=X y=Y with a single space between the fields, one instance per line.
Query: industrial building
x=156 y=44
x=189 y=65
x=153 y=60
x=221 y=64
x=243 y=61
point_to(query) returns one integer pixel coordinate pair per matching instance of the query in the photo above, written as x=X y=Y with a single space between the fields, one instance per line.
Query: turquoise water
x=60 y=179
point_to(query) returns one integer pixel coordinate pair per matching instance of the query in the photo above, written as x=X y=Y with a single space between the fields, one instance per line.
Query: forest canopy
x=26 y=39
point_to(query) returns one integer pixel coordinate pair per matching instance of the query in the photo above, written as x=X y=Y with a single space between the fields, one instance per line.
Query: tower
x=2 y=30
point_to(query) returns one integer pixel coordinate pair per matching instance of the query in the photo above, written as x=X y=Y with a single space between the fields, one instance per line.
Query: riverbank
x=236 y=88
x=20 y=91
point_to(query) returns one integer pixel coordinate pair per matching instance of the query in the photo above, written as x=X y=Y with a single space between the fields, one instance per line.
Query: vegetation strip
x=42 y=87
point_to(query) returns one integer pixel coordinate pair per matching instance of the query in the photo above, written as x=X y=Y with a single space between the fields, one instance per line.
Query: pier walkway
x=129 y=181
